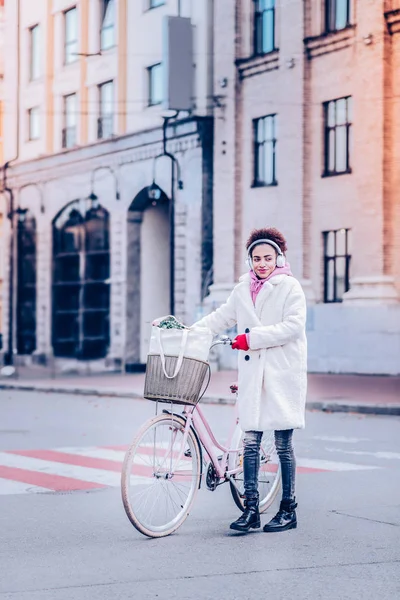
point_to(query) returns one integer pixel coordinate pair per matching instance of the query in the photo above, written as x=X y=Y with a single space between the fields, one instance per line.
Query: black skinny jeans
x=251 y=462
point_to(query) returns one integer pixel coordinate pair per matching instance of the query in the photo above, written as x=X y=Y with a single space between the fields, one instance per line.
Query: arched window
x=26 y=283
x=81 y=290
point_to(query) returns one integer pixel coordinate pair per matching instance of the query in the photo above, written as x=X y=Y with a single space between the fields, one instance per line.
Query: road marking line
x=118 y=456
x=53 y=481
x=328 y=465
x=385 y=455
x=11 y=487
x=338 y=438
x=70 y=459
x=87 y=468
x=80 y=468
x=105 y=453
x=99 y=476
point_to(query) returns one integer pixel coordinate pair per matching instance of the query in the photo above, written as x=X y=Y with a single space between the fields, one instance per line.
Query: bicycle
x=163 y=468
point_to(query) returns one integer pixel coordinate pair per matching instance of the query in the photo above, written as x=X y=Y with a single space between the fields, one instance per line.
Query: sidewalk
x=365 y=394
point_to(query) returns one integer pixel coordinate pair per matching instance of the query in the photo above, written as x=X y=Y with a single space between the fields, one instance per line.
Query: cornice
x=255 y=65
x=330 y=42
x=182 y=136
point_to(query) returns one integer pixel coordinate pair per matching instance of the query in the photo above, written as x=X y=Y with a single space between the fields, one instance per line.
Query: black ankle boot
x=250 y=519
x=284 y=519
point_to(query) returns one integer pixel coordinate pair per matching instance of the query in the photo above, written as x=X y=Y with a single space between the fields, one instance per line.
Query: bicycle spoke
x=163 y=477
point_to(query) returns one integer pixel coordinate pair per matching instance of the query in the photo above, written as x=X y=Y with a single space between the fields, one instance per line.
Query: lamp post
x=154 y=193
x=92 y=196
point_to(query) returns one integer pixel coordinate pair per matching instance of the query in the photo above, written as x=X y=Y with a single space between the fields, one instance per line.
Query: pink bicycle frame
x=195 y=418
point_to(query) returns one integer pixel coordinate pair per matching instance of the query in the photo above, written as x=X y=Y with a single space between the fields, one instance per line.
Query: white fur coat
x=273 y=373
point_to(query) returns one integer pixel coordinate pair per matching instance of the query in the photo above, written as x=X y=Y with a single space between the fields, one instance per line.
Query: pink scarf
x=256 y=284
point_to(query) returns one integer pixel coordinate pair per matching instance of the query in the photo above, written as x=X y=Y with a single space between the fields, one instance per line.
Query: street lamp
x=92 y=196
x=94 y=201
x=154 y=192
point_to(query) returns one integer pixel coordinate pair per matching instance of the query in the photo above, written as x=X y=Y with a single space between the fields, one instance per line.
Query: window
x=81 y=292
x=337 y=14
x=336 y=264
x=155 y=3
x=155 y=75
x=26 y=282
x=107 y=25
x=70 y=119
x=265 y=132
x=264 y=26
x=34 y=123
x=338 y=119
x=105 y=122
x=34 y=52
x=71 y=35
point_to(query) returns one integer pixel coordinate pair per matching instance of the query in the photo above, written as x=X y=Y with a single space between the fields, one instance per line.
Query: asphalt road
x=79 y=545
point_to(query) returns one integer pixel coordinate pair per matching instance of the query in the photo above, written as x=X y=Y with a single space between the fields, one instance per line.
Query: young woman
x=269 y=308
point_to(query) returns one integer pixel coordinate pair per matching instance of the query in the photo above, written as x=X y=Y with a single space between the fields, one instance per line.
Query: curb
x=321 y=406
x=353 y=407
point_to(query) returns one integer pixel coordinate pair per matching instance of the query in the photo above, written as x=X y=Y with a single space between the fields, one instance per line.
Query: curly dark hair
x=268 y=233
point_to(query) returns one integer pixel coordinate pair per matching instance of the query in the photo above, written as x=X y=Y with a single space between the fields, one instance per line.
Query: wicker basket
x=185 y=388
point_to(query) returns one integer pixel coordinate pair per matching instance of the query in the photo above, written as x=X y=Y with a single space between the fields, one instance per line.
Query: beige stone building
x=295 y=123
x=307 y=125
x=97 y=253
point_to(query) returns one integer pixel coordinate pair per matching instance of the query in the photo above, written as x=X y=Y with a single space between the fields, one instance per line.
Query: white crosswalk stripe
x=55 y=468
x=9 y=487
x=64 y=468
x=104 y=453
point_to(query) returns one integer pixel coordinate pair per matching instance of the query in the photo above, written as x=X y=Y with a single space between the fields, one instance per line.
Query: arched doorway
x=26 y=282
x=81 y=289
x=148 y=268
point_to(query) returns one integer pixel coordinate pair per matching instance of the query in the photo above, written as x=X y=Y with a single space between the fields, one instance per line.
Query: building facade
x=3 y=208
x=307 y=120
x=294 y=123
x=97 y=174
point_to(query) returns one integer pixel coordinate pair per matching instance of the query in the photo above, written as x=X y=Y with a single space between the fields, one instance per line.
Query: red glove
x=240 y=342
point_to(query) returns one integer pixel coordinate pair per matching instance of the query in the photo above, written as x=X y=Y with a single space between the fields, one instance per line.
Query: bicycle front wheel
x=269 y=475
x=161 y=476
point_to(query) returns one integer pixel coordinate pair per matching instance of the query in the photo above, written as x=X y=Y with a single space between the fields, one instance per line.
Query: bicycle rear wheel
x=269 y=476
x=161 y=476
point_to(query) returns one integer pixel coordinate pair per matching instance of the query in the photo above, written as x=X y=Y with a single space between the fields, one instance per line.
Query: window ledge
x=330 y=42
x=37 y=81
x=108 y=49
x=73 y=63
x=328 y=174
x=263 y=185
x=393 y=21
x=149 y=8
x=259 y=63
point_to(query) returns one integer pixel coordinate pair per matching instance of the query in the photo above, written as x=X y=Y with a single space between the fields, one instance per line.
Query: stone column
x=118 y=287
x=44 y=279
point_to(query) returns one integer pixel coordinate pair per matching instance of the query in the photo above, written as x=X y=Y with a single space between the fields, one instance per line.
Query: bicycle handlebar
x=224 y=340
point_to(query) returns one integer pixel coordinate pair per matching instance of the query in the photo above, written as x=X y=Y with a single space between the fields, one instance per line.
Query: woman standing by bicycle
x=268 y=305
